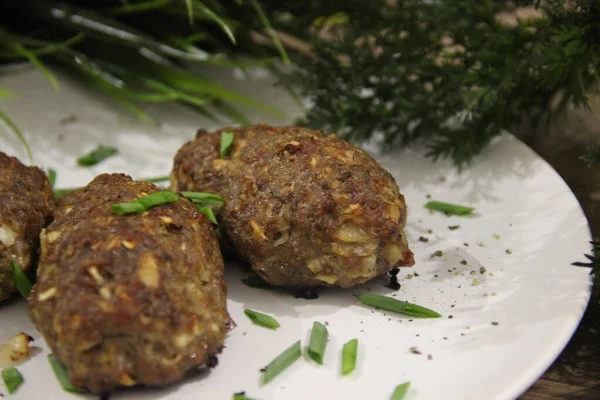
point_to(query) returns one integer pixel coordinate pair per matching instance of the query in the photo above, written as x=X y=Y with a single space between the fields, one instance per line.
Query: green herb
x=318 y=342
x=144 y=203
x=156 y=180
x=241 y=396
x=391 y=304
x=594 y=258
x=349 y=353
x=449 y=208
x=12 y=379
x=198 y=197
x=401 y=391
x=97 y=155
x=592 y=156
x=262 y=319
x=51 y=177
x=22 y=281
x=208 y=211
x=226 y=142
x=9 y=122
x=282 y=362
x=61 y=192
x=61 y=375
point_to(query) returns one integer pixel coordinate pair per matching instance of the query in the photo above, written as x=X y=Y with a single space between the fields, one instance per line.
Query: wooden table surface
x=576 y=373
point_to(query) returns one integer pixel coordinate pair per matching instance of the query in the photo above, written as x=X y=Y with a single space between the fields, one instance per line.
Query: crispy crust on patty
x=27 y=203
x=303 y=207
x=128 y=300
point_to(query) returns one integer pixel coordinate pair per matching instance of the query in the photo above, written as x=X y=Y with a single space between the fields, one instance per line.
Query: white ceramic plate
x=536 y=297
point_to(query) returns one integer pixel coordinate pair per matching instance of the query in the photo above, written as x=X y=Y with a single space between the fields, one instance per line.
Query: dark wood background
x=576 y=373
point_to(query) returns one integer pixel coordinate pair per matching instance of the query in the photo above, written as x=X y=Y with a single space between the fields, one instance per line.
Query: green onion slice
x=22 y=281
x=198 y=197
x=226 y=142
x=156 y=179
x=282 y=362
x=51 y=177
x=449 y=208
x=401 y=391
x=61 y=374
x=318 y=342
x=61 y=192
x=144 y=203
x=12 y=379
x=390 y=304
x=206 y=210
x=262 y=319
x=349 y=353
x=97 y=155
x=241 y=396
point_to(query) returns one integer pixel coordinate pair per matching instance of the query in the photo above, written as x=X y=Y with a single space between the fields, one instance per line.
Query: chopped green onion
x=12 y=379
x=210 y=215
x=282 y=362
x=390 y=304
x=226 y=142
x=262 y=319
x=22 y=281
x=198 y=197
x=400 y=391
x=97 y=155
x=61 y=192
x=349 y=353
x=449 y=208
x=61 y=375
x=144 y=203
x=51 y=177
x=241 y=396
x=318 y=342
x=157 y=179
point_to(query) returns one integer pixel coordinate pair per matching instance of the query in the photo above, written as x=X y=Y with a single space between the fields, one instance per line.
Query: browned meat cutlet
x=129 y=300
x=27 y=202
x=303 y=207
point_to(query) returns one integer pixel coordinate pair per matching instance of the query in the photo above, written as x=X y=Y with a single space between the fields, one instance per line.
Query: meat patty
x=27 y=202
x=128 y=300
x=303 y=207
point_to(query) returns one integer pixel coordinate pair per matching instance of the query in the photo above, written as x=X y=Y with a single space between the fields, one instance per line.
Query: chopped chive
x=157 y=179
x=282 y=362
x=210 y=215
x=449 y=208
x=349 y=352
x=51 y=177
x=241 y=396
x=12 y=379
x=61 y=375
x=390 y=304
x=318 y=342
x=226 y=142
x=198 y=197
x=61 y=192
x=22 y=281
x=144 y=203
x=262 y=319
x=400 y=391
x=97 y=155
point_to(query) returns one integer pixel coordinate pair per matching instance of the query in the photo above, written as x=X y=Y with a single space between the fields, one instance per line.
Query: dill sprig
x=453 y=74
x=594 y=259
